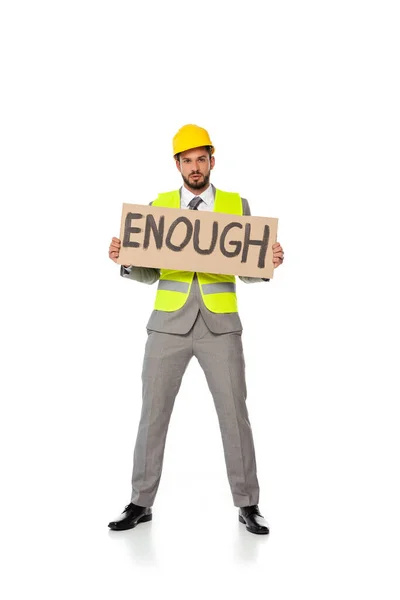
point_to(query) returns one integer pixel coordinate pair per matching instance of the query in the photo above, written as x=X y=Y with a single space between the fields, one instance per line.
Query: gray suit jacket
x=181 y=321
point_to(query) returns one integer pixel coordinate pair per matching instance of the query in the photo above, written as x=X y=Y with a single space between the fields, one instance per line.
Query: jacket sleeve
x=142 y=274
x=247 y=213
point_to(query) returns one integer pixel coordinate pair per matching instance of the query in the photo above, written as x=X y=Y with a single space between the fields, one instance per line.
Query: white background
x=301 y=100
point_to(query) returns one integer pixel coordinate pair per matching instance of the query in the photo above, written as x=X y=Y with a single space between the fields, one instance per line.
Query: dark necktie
x=194 y=203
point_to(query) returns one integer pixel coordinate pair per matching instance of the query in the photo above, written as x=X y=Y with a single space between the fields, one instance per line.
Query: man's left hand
x=277 y=254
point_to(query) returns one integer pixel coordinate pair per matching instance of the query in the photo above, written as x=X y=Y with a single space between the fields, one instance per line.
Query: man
x=195 y=314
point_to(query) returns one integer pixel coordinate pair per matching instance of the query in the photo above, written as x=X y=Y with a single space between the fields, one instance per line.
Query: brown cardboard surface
x=194 y=240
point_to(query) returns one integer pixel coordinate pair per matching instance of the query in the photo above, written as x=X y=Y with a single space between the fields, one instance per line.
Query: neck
x=197 y=191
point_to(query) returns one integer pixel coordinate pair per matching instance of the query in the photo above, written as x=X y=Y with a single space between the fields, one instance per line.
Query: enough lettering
x=248 y=242
x=186 y=240
x=129 y=229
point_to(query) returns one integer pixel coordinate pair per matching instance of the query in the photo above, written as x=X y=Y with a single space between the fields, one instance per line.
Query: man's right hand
x=113 y=251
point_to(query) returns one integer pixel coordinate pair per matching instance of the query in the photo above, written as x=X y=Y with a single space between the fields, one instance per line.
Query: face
x=195 y=166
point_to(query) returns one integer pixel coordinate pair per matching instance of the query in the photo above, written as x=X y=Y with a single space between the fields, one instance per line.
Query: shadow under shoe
x=131 y=516
x=254 y=521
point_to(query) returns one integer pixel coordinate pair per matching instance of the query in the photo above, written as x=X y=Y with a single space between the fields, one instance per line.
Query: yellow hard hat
x=190 y=136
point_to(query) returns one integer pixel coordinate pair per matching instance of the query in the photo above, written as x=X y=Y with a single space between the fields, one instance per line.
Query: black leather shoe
x=254 y=521
x=131 y=516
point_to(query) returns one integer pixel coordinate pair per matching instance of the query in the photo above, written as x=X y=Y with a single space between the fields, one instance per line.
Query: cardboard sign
x=194 y=240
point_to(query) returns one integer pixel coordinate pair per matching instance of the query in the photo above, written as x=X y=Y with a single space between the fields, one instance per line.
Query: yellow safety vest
x=218 y=291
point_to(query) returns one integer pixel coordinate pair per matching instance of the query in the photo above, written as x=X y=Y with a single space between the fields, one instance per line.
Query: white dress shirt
x=207 y=196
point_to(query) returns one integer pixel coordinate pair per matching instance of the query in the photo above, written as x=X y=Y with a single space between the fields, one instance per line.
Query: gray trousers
x=221 y=358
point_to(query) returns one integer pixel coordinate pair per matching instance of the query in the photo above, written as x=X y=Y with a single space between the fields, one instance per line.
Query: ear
x=212 y=162
x=178 y=165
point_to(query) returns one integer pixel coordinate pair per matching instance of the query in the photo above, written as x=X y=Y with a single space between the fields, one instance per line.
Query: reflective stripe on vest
x=218 y=291
x=173 y=286
x=218 y=288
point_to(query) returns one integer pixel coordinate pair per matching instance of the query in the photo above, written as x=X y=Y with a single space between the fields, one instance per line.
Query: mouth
x=195 y=176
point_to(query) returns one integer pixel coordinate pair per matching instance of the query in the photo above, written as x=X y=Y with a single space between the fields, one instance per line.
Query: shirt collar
x=207 y=196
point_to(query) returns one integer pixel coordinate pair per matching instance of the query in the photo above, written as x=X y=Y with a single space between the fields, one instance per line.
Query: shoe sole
x=252 y=530
x=141 y=520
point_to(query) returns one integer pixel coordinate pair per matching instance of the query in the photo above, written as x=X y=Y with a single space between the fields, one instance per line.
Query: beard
x=200 y=183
